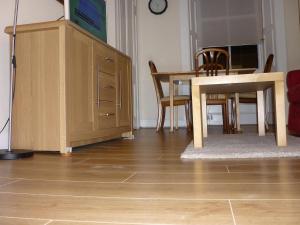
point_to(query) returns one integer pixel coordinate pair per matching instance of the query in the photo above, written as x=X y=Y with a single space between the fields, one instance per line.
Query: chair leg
x=159 y=118
x=225 y=118
x=163 y=115
x=190 y=115
x=233 y=124
x=187 y=117
x=228 y=127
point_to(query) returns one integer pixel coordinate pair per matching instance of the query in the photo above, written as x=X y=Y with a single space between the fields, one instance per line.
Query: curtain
x=229 y=22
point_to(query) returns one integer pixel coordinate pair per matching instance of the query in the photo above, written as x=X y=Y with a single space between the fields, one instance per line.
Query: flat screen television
x=88 y=14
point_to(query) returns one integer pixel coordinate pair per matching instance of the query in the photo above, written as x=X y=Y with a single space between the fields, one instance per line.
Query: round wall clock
x=158 y=7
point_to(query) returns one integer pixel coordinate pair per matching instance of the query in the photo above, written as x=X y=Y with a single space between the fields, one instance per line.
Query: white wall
x=292 y=35
x=292 y=30
x=158 y=40
x=29 y=11
x=111 y=22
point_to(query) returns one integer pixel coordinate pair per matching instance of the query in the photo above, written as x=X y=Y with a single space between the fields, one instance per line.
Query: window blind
x=229 y=22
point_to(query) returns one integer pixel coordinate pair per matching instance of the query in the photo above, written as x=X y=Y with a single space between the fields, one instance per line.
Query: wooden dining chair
x=249 y=98
x=164 y=101
x=211 y=60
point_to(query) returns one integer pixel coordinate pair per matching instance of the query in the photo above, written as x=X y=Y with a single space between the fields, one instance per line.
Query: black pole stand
x=9 y=154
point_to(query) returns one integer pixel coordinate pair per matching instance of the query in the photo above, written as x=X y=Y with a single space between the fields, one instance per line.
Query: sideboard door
x=124 y=105
x=80 y=102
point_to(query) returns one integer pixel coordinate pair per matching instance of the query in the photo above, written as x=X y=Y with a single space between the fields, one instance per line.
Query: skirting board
x=152 y=123
x=246 y=118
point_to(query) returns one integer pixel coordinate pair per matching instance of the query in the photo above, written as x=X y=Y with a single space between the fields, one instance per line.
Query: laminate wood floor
x=144 y=182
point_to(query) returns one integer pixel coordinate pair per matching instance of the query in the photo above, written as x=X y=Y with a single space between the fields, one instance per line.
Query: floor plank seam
x=24 y=218
x=170 y=173
x=49 y=222
x=132 y=175
x=109 y=222
x=109 y=197
x=211 y=173
x=232 y=213
x=12 y=182
x=142 y=198
x=160 y=183
x=116 y=222
x=211 y=183
x=70 y=181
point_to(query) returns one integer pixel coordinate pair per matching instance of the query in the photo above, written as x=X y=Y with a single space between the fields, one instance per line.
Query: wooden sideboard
x=71 y=89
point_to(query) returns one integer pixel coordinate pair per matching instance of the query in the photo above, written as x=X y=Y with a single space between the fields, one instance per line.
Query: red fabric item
x=293 y=78
x=294 y=119
x=294 y=94
x=293 y=84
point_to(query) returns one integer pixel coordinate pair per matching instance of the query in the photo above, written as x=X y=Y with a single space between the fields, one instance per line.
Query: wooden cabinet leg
x=66 y=151
x=128 y=135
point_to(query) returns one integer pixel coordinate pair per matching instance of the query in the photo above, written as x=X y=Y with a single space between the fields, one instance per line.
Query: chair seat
x=216 y=96
x=176 y=98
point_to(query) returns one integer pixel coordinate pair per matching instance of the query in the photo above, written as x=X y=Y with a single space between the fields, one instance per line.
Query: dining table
x=184 y=76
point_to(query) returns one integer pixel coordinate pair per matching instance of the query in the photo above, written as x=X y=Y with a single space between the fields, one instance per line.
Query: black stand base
x=15 y=154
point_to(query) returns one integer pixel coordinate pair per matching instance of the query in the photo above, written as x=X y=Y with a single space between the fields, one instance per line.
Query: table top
x=236 y=83
x=179 y=75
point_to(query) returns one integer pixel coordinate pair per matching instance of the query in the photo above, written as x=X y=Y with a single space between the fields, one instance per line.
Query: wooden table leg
x=171 y=93
x=280 y=114
x=261 y=113
x=204 y=114
x=197 y=117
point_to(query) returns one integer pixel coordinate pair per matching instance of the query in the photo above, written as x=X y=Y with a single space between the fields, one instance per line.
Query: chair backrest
x=156 y=81
x=213 y=60
x=268 y=65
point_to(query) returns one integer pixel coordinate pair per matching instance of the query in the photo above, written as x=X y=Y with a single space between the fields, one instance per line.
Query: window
x=245 y=56
x=229 y=22
x=242 y=56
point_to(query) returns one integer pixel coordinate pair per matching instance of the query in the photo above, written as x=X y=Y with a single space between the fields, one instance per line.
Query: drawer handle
x=109 y=101
x=110 y=87
x=108 y=59
x=107 y=114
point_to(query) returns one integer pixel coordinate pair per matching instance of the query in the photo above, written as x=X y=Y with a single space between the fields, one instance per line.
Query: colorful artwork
x=90 y=15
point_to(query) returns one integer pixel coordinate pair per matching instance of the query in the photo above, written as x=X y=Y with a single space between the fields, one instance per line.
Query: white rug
x=242 y=146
